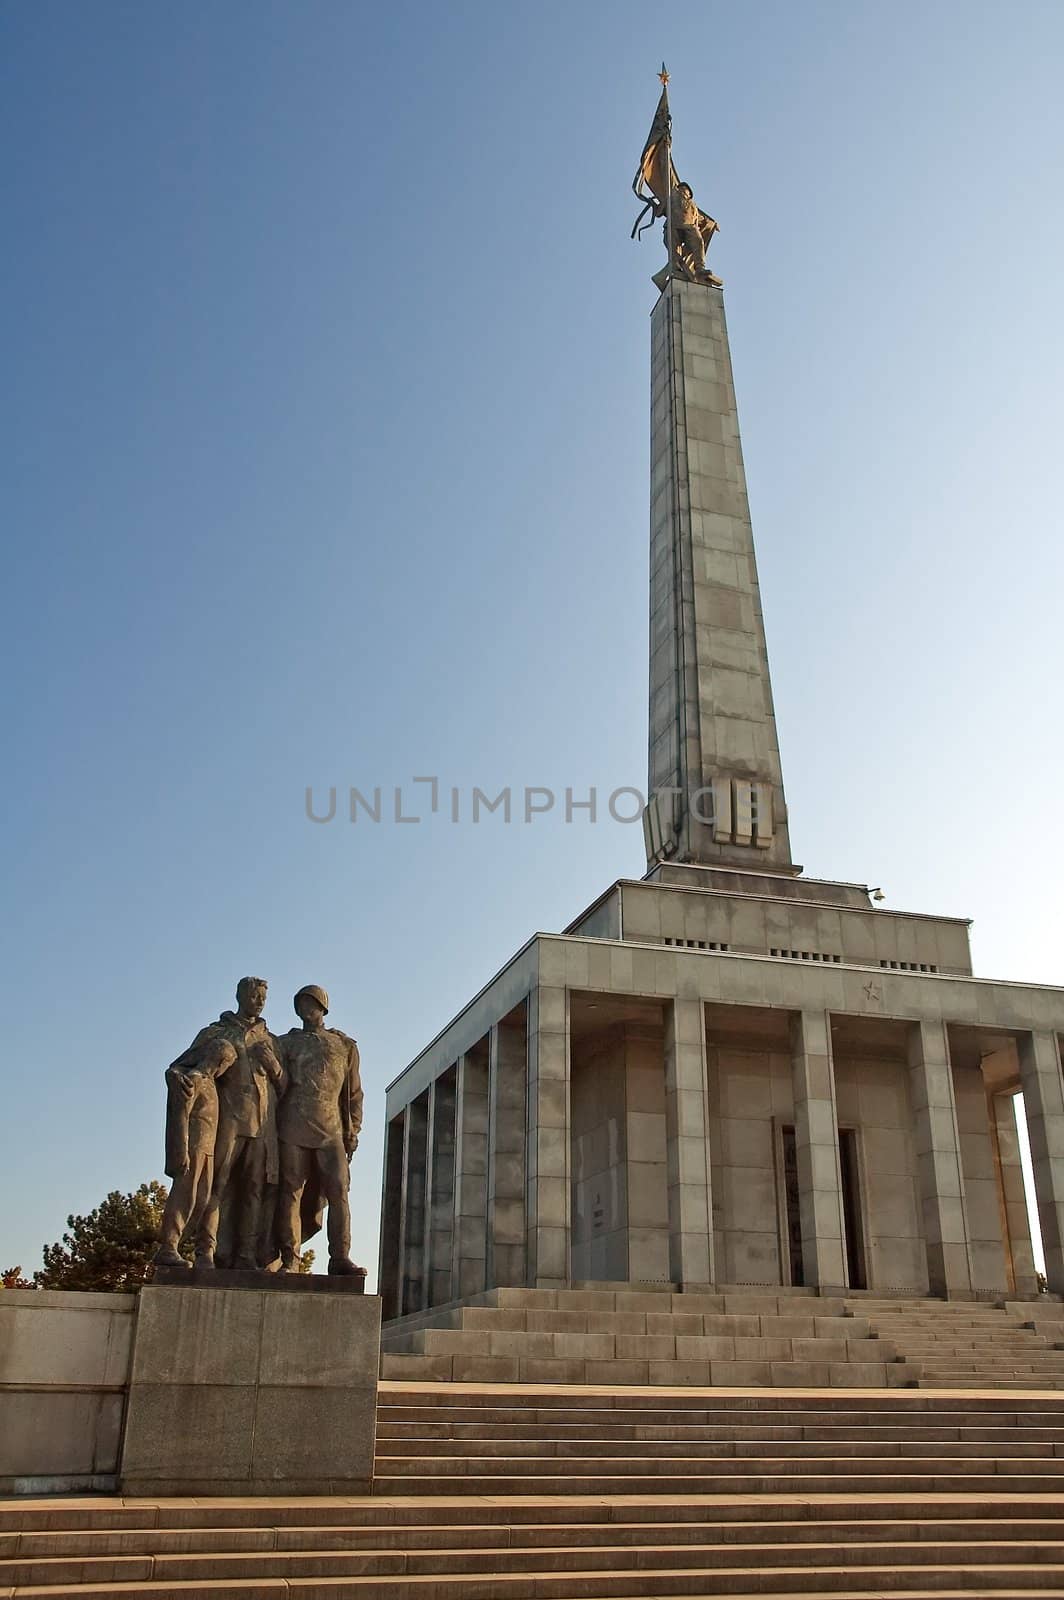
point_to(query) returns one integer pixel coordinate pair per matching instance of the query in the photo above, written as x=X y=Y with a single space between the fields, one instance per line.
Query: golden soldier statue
x=688 y=230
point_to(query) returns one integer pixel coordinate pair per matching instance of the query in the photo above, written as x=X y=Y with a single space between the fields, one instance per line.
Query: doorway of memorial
x=851 y=1208
x=850 y=1177
x=792 y=1207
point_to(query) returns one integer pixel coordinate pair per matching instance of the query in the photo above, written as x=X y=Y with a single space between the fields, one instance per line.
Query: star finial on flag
x=663 y=76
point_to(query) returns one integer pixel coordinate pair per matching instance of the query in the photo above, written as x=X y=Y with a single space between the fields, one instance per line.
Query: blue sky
x=325 y=462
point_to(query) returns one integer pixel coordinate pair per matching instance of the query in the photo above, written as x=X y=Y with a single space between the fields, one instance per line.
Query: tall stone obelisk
x=712 y=726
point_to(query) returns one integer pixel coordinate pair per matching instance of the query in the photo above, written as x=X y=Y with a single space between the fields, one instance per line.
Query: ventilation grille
x=910 y=966
x=696 y=944
x=805 y=955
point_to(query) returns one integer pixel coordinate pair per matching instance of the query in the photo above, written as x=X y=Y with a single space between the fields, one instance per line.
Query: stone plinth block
x=252 y=1391
x=283 y=1282
x=64 y=1364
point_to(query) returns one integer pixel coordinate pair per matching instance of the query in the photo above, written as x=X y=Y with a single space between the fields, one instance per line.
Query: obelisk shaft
x=712 y=724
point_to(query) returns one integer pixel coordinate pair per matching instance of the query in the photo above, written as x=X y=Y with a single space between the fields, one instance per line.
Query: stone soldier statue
x=318 y=1124
x=191 y=1129
x=245 y=1149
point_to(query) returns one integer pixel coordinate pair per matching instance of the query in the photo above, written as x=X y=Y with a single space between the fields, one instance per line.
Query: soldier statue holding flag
x=688 y=230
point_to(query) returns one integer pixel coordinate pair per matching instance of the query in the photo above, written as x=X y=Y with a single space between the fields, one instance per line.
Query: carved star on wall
x=873 y=991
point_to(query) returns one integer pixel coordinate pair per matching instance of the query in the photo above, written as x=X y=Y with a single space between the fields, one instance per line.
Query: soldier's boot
x=204 y=1261
x=168 y=1256
x=289 y=1261
x=344 y=1267
x=170 y=1233
x=339 y=1230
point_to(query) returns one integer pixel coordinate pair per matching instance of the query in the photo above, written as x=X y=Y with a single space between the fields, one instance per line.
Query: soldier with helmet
x=318 y=1123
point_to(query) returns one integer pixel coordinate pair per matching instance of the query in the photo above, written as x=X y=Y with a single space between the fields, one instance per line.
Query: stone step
x=959 y=1323
x=701 y=1373
x=222 y=1567
x=571 y=1493
x=1041 y=1360
x=548 y=1399
x=474 y=1319
x=64 y=1515
x=1034 y=1352
x=758 y=1301
x=939 y=1308
x=610 y=1346
x=944 y=1316
x=569 y=1547
x=398 y=1438
x=825 y=1480
x=750 y=1450
x=642 y=1438
x=98 y=1543
x=997 y=1330
x=1036 y=1371
x=955 y=1346
x=968 y=1376
x=1019 y=1582
x=963 y=1381
x=444 y=1399
x=709 y=1432
x=973 y=1346
x=539 y=1456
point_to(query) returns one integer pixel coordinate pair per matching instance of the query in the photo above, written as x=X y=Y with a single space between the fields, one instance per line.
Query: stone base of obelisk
x=246 y=1392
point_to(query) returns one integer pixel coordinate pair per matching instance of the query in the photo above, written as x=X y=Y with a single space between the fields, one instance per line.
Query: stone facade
x=678 y=1081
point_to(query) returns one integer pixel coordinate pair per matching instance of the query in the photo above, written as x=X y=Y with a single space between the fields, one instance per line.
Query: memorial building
x=724 y=1072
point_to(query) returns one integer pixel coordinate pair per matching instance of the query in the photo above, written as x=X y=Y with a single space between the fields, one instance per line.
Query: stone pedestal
x=266 y=1282
x=252 y=1391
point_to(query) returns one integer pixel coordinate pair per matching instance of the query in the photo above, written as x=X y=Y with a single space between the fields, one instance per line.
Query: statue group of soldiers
x=260 y=1131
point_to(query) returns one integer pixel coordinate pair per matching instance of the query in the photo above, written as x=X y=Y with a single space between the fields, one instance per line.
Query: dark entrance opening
x=792 y=1206
x=851 y=1208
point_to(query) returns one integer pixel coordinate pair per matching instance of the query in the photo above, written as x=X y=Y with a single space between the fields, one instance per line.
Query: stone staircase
x=481 y=1440
x=613 y=1335
x=511 y=1492
x=957 y=1344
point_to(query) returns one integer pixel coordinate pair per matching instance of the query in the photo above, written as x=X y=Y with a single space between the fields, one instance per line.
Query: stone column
x=470 y=1174
x=938 y=1159
x=412 y=1217
x=816 y=1137
x=687 y=1144
x=1043 y=1100
x=507 y=1093
x=439 y=1194
x=1017 y=1224
x=391 y=1216
x=547 y=1197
